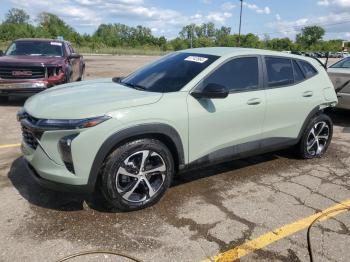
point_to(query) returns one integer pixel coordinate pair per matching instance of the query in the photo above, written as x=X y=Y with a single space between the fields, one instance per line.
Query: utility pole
x=240 y=24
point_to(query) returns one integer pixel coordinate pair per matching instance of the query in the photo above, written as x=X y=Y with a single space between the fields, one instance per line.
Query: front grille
x=22 y=72
x=29 y=138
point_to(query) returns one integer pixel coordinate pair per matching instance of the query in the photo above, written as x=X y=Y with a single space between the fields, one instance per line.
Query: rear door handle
x=254 y=101
x=308 y=94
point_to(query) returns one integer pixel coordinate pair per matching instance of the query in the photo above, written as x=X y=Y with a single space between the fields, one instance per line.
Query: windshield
x=170 y=73
x=345 y=63
x=35 y=48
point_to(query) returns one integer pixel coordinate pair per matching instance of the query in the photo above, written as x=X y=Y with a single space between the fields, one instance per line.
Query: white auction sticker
x=196 y=59
x=56 y=43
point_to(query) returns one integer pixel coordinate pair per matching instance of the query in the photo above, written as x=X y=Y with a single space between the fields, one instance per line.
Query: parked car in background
x=32 y=65
x=345 y=54
x=190 y=108
x=339 y=73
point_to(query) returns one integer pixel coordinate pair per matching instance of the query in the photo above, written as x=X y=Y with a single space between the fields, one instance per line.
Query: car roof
x=236 y=51
x=40 y=40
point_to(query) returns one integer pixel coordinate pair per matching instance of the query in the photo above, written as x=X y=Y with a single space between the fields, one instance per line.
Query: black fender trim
x=117 y=138
x=313 y=112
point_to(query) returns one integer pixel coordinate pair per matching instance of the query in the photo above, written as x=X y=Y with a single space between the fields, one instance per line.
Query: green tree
x=279 y=44
x=17 y=16
x=179 y=44
x=250 y=40
x=188 y=32
x=52 y=26
x=222 y=32
x=310 y=35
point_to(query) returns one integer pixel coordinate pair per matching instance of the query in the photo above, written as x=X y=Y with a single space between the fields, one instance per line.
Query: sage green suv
x=129 y=136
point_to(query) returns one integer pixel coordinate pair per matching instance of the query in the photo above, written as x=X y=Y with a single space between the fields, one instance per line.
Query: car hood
x=86 y=99
x=37 y=60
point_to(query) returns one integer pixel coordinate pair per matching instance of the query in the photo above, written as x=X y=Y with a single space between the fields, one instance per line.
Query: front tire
x=82 y=76
x=316 y=137
x=137 y=174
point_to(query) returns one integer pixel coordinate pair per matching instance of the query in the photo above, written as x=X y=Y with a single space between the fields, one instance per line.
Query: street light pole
x=240 y=24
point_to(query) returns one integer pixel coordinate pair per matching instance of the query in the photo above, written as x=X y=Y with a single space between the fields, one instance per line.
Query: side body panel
x=219 y=124
x=220 y=129
x=287 y=107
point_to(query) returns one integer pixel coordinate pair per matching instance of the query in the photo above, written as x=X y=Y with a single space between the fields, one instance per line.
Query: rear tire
x=137 y=174
x=316 y=137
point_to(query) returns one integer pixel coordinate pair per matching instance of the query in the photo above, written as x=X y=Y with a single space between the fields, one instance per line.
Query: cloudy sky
x=274 y=17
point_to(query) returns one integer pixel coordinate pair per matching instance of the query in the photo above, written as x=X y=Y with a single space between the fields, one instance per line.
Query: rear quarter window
x=307 y=68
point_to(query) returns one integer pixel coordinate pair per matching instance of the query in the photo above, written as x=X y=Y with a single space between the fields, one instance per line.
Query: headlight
x=71 y=124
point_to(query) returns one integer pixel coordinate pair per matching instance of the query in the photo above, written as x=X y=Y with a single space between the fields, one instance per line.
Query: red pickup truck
x=32 y=65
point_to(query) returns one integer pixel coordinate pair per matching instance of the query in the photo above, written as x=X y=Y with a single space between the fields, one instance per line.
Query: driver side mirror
x=211 y=91
x=74 y=56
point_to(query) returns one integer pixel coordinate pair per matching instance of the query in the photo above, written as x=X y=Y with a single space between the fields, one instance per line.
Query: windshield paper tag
x=56 y=43
x=196 y=59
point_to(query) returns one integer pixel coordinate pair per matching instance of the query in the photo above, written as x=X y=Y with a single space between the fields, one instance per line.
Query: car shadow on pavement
x=63 y=201
x=340 y=117
x=212 y=170
x=39 y=196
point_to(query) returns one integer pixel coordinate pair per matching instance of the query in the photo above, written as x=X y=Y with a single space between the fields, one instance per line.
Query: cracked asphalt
x=205 y=212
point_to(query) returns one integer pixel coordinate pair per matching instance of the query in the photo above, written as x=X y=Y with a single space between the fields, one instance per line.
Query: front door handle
x=308 y=94
x=254 y=101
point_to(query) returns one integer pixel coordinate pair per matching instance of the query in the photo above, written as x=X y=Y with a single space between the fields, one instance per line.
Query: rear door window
x=239 y=74
x=279 y=71
x=308 y=69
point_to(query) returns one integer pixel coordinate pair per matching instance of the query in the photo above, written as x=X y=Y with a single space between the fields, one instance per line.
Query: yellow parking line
x=275 y=235
x=9 y=146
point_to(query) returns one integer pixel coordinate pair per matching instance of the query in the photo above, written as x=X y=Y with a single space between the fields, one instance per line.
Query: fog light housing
x=64 y=147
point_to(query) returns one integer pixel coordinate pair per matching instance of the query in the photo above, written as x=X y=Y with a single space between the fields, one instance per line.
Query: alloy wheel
x=140 y=176
x=318 y=138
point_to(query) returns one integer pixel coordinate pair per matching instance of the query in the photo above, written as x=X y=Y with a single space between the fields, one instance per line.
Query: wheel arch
x=163 y=132
x=314 y=112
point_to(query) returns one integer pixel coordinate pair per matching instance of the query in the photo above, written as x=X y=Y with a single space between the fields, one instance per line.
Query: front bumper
x=28 y=87
x=22 y=88
x=47 y=164
x=80 y=189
